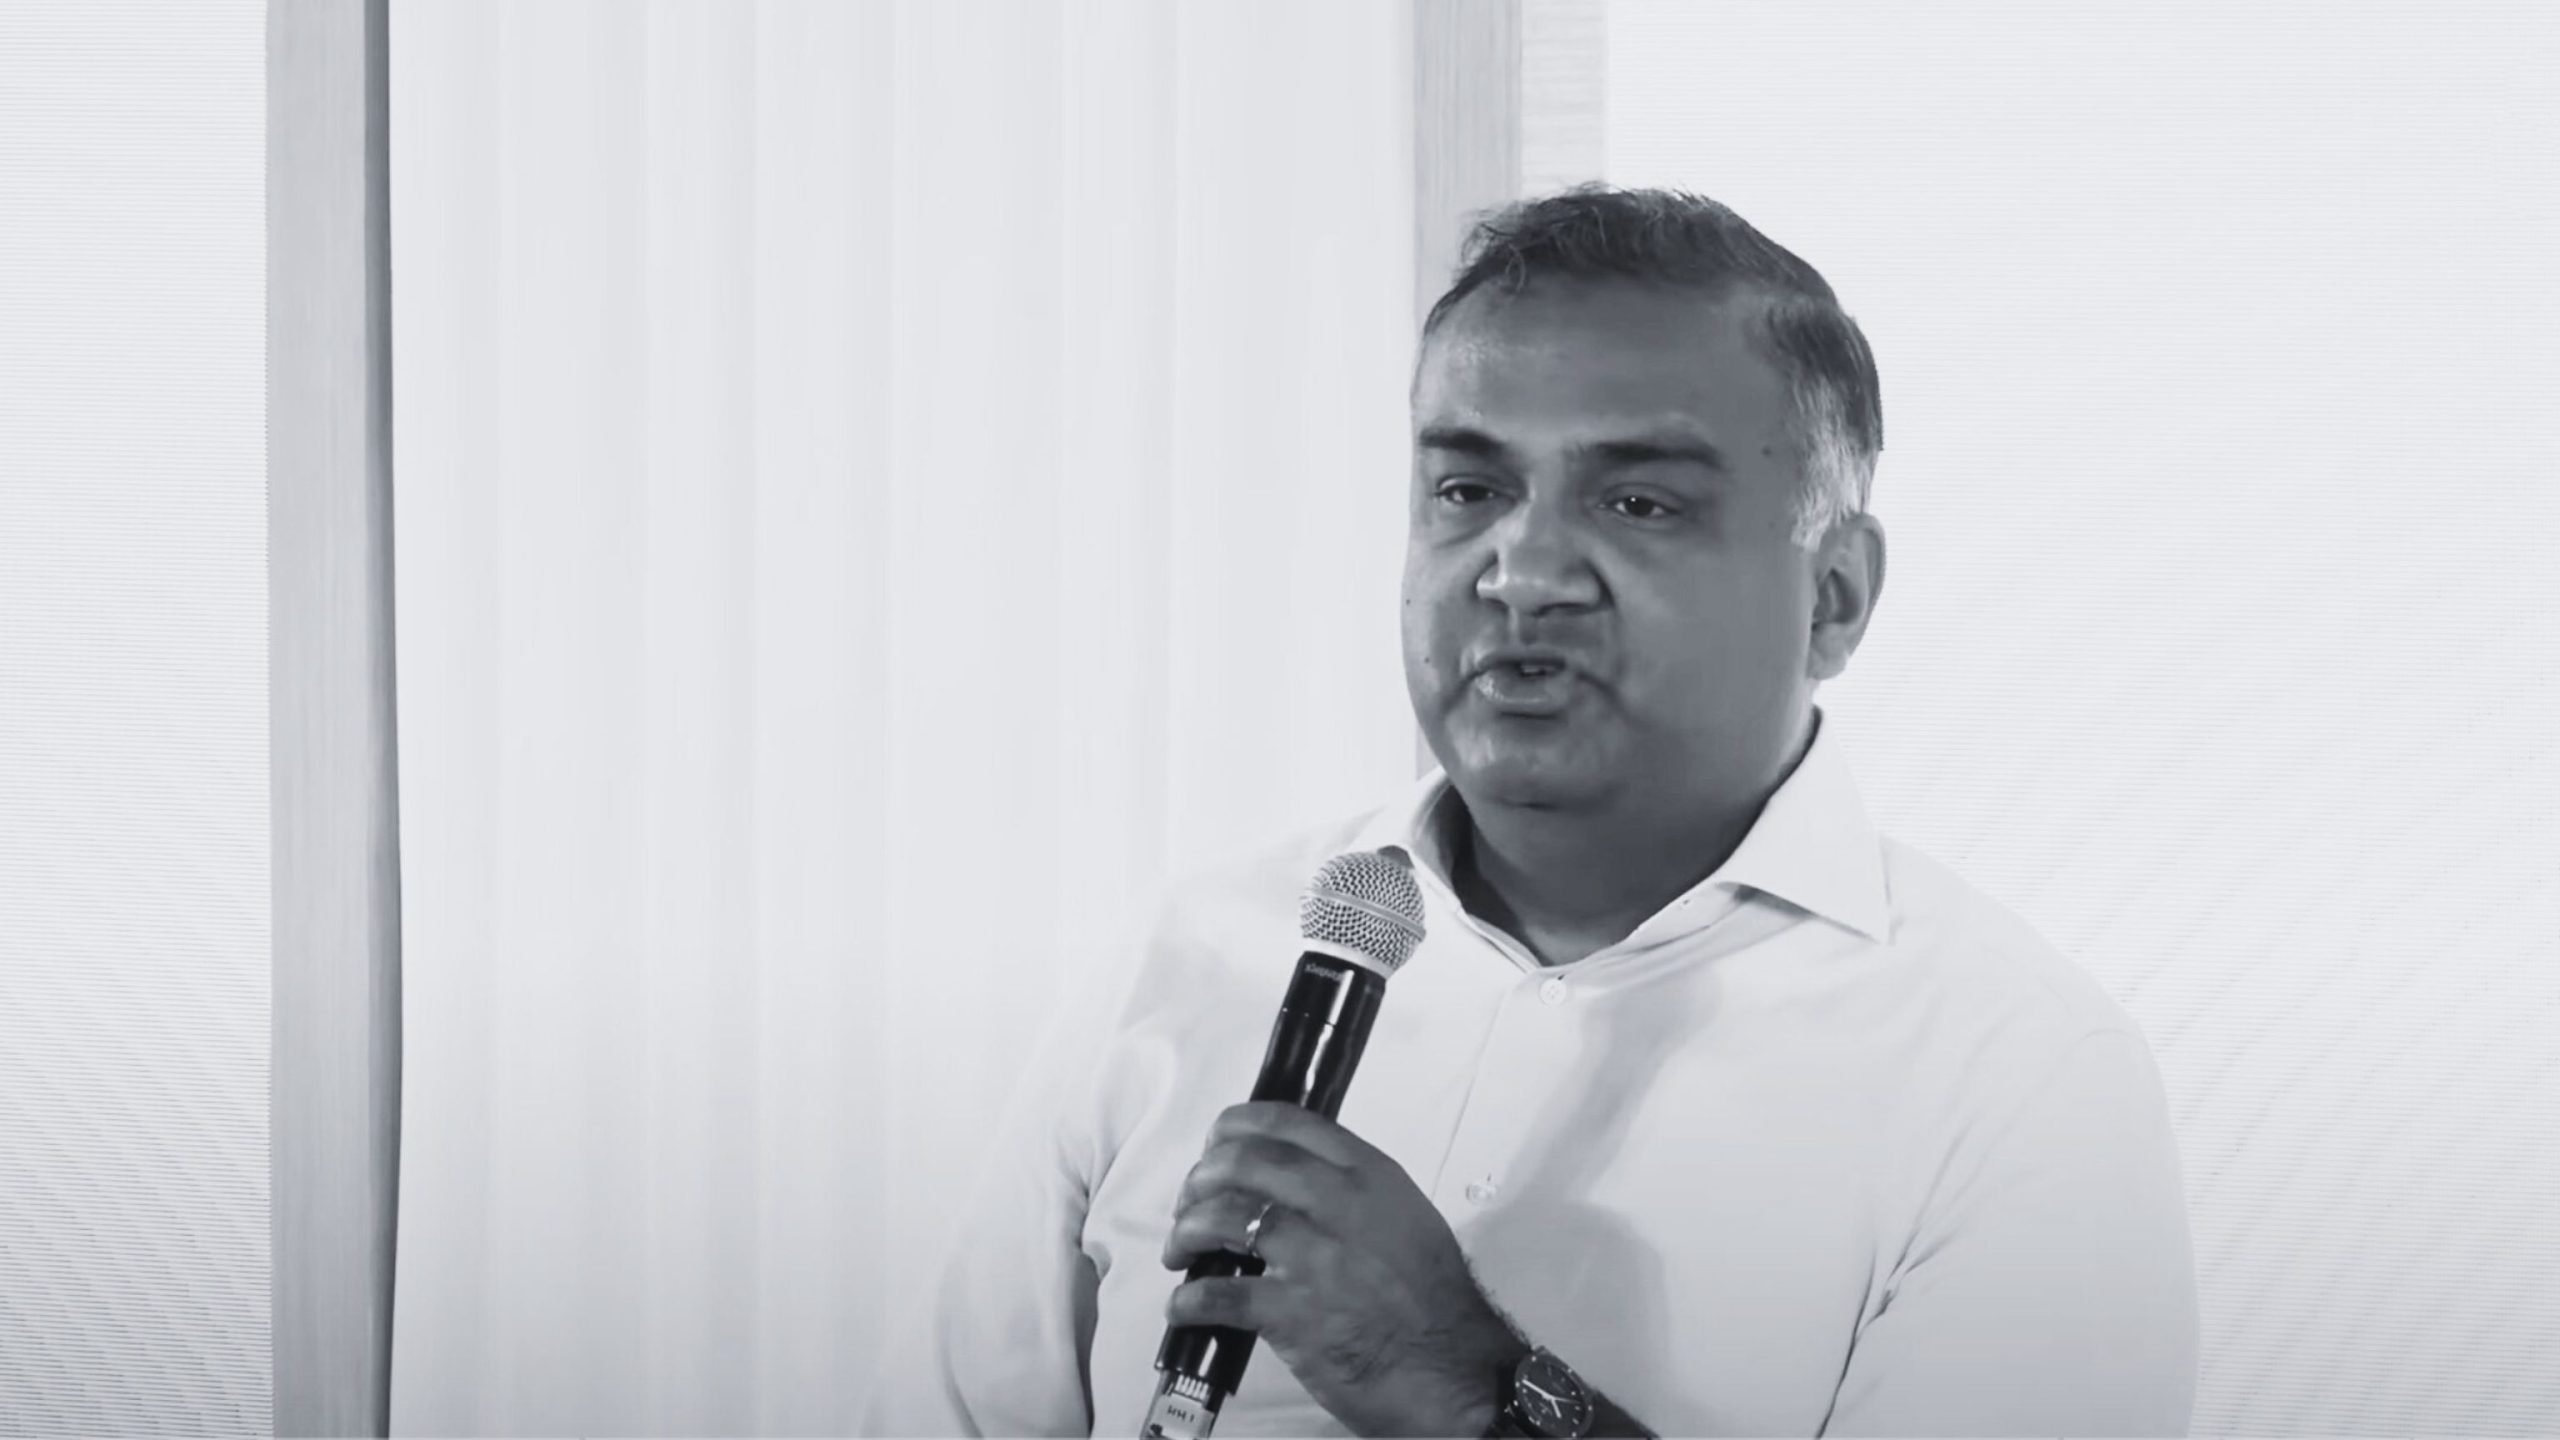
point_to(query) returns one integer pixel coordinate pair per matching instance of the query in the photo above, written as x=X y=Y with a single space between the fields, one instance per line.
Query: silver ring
x=1253 y=1229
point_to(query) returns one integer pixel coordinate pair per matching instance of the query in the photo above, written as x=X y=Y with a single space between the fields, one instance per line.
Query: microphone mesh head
x=1367 y=902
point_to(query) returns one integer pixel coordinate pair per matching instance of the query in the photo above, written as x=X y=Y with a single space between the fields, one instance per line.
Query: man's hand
x=1363 y=1294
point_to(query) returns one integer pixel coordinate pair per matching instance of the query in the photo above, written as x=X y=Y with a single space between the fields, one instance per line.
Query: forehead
x=1581 y=359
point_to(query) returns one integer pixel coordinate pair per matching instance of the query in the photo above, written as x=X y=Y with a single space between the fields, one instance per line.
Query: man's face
x=1603 y=475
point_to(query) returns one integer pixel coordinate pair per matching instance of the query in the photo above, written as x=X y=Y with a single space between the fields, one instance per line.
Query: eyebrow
x=1464 y=440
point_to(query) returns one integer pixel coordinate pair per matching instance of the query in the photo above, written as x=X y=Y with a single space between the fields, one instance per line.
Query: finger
x=1207 y=1226
x=1267 y=1170
x=1241 y=1302
x=1287 y=1124
x=1220 y=1223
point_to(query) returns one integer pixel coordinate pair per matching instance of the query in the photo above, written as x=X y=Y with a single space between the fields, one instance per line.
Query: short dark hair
x=1673 y=237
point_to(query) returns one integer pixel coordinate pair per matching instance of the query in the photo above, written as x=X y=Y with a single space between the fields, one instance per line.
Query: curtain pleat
x=880 y=488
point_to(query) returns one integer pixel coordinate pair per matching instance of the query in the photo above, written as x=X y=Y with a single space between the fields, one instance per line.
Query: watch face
x=1550 y=1397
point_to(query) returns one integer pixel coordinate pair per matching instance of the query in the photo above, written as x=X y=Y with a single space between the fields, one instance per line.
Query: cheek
x=1435 y=598
x=1701 y=637
x=1726 y=667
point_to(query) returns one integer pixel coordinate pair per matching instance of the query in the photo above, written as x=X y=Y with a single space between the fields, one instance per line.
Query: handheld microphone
x=1361 y=918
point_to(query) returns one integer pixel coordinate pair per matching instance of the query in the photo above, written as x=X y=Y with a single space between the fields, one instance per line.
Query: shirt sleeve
x=1005 y=1345
x=2050 y=1289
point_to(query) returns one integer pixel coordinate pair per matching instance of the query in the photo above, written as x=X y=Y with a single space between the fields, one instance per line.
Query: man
x=1700 y=1098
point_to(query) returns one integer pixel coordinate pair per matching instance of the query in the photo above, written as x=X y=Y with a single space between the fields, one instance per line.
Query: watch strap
x=1505 y=1425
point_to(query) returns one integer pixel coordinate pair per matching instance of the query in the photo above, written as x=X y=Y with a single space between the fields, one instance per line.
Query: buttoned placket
x=1534 y=1037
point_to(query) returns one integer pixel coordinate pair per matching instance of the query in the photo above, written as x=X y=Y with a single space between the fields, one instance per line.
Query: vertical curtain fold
x=879 y=488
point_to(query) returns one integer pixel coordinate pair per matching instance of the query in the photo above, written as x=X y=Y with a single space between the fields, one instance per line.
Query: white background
x=2220 y=488
x=133 y=718
x=879 y=487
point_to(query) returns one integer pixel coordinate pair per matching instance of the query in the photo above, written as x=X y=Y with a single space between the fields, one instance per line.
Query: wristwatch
x=1541 y=1398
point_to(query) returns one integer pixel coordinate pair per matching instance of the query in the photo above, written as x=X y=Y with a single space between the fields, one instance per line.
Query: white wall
x=133 y=718
x=2221 y=490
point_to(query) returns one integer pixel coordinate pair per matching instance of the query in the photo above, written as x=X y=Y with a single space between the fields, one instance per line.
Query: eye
x=1461 y=491
x=1641 y=507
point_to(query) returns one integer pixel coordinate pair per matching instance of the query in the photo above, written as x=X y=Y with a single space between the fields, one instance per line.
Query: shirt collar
x=1812 y=845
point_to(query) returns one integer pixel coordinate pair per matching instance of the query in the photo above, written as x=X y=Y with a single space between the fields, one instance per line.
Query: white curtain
x=879 y=487
x=137 y=961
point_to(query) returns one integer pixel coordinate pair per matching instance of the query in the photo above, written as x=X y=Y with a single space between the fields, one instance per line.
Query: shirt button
x=1553 y=992
x=1481 y=1191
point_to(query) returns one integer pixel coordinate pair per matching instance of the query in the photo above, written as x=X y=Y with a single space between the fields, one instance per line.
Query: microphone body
x=1355 y=940
x=1315 y=1044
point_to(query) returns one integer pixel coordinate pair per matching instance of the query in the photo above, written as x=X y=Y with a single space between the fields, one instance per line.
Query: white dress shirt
x=1832 y=1144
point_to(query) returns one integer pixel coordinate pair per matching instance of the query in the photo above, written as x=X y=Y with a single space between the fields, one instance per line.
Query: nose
x=1537 y=564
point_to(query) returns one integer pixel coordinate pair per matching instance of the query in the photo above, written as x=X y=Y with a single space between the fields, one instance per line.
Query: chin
x=1519 y=776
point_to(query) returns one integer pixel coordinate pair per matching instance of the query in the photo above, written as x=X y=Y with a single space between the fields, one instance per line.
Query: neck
x=1569 y=883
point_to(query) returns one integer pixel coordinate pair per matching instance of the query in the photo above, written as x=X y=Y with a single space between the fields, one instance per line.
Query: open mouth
x=1526 y=687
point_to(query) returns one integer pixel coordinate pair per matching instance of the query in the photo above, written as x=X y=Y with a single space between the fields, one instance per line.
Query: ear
x=1848 y=575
